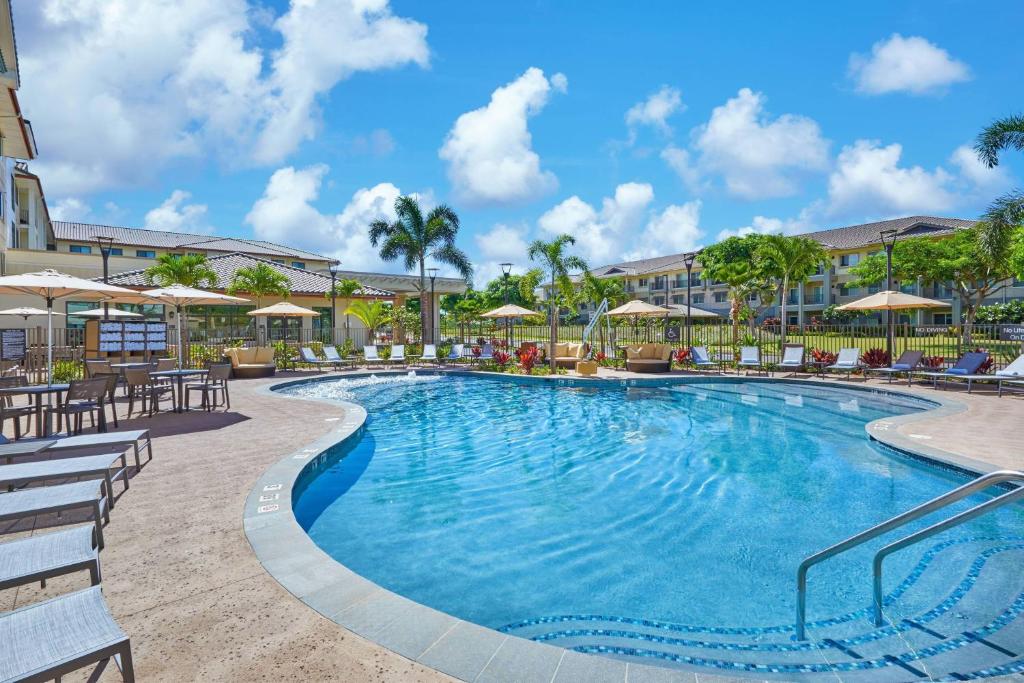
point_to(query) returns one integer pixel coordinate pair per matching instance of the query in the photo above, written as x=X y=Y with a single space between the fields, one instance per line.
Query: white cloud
x=757 y=157
x=489 y=151
x=600 y=235
x=70 y=209
x=869 y=181
x=503 y=243
x=378 y=143
x=674 y=230
x=153 y=81
x=680 y=161
x=977 y=174
x=174 y=215
x=765 y=225
x=654 y=111
x=911 y=65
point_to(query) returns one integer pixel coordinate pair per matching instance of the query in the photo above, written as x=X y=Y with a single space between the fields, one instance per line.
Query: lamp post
x=888 y=241
x=506 y=270
x=106 y=243
x=433 y=275
x=688 y=260
x=333 y=268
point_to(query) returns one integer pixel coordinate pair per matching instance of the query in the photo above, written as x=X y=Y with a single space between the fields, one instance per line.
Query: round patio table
x=39 y=390
x=180 y=375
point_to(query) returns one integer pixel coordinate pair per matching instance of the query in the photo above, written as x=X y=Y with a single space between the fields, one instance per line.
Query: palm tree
x=554 y=259
x=259 y=281
x=190 y=270
x=372 y=314
x=597 y=289
x=1006 y=212
x=792 y=260
x=343 y=289
x=412 y=238
x=528 y=284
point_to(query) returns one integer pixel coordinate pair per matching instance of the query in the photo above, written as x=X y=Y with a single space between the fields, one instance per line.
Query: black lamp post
x=433 y=276
x=888 y=241
x=506 y=270
x=333 y=268
x=688 y=260
x=106 y=243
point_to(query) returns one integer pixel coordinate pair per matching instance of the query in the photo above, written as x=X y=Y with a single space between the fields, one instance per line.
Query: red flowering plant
x=875 y=358
x=987 y=365
x=823 y=356
x=502 y=358
x=771 y=322
x=477 y=351
x=528 y=358
x=933 y=361
x=682 y=356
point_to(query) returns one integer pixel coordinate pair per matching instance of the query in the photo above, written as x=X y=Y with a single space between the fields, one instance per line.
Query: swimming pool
x=598 y=519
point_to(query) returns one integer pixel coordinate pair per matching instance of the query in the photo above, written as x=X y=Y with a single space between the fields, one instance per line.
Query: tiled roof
x=299 y=281
x=849 y=237
x=87 y=232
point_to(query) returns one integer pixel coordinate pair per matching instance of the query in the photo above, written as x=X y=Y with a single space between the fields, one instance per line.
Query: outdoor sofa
x=249 y=363
x=649 y=358
x=567 y=354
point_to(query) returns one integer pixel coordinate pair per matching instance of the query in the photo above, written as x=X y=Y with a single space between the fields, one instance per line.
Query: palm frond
x=999 y=221
x=381 y=229
x=1005 y=133
x=451 y=255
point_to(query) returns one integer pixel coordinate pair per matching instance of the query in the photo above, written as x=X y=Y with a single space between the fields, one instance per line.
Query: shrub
x=682 y=356
x=771 y=322
x=875 y=358
x=528 y=358
x=989 y=362
x=933 y=361
x=201 y=355
x=284 y=355
x=823 y=356
x=477 y=351
x=346 y=349
x=502 y=358
x=66 y=370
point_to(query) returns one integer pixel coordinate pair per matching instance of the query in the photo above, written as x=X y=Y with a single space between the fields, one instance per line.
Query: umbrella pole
x=178 y=328
x=49 y=344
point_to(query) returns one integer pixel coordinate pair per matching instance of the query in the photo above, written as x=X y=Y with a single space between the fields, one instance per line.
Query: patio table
x=180 y=376
x=39 y=390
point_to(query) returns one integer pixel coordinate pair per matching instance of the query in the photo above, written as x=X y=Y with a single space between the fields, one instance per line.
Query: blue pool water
x=500 y=502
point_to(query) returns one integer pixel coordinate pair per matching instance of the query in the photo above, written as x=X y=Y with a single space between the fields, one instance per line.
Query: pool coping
x=453 y=646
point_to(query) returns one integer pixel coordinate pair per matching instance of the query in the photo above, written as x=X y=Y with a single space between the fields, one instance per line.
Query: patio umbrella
x=26 y=311
x=182 y=297
x=891 y=301
x=679 y=311
x=284 y=309
x=52 y=285
x=112 y=313
x=509 y=311
x=640 y=309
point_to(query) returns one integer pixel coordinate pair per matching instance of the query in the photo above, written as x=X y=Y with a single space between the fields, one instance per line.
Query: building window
x=697 y=299
x=323 y=324
x=679 y=299
x=145 y=253
x=813 y=296
x=74 y=322
x=116 y=251
x=846 y=290
x=942 y=318
x=287 y=329
x=211 y=323
x=298 y=264
x=793 y=319
x=277 y=260
x=659 y=281
x=721 y=297
x=80 y=249
x=695 y=280
x=659 y=301
x=680 y=281
x=794 y=296
x=642 y=282
x=847 y=260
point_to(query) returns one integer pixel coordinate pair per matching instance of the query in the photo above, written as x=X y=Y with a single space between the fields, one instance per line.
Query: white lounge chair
x=456 y=354
x=429 y=353
x=331 y=354
x=906 y=364
x=848 y=361
x=701 y=359
x=397 y=354
x=750 y=357
x=309 y=357
x=370 y=356
x=792 y=358
x=44 y=556
x=486 y=353
x=1012 y=375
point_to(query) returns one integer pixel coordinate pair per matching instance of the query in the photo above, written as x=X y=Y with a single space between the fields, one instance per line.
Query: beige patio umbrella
x=284 y=309
x=640 y=309
x=679 y=311
x=182 y=297
x=509 y=311
x=112 y=313
x=52 y=285
x=26 y=311
x=890 y=300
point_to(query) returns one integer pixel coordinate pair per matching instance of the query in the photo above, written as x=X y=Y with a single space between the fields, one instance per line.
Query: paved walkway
x=181 y=579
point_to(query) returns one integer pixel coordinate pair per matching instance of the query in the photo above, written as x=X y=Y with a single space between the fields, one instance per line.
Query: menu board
x=132 y=337
x=12 y=344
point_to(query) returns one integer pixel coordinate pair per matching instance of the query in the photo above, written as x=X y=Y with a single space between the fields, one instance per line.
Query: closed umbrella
x=52 y=285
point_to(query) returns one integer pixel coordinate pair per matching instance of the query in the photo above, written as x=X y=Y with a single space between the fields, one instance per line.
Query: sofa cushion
x=561 y=350
x=246 y=356
x=634 y=352
x=264 y=354
x=581 y=350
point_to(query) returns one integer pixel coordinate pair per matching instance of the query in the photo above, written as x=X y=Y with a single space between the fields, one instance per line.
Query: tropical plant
x=344 y=288
x=791 y=260
x=412 y=238
x=284 y=355
x=502 y=358
x=1011 y=312
x=529 y=282
x=528 y=358
x=823 y=356
x=401 y=318
x=932 y=361
x=190 y=270
x=259 y=281
x=876 y=358
x=1006 y=213
x=373 y=315
x=733 y=261
x=552 y=256
x=832 y=314
x=64 y=371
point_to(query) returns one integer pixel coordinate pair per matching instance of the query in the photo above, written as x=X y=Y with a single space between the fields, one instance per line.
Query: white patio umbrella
x=25 y=312
x=509 y=311
x=182 y=297
x=284 y=309
x=638 y=308
x=679 y=311
x=112 y=313
x=52 y=285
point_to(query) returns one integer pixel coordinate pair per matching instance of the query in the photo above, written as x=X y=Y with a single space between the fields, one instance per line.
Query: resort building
x=662 y=279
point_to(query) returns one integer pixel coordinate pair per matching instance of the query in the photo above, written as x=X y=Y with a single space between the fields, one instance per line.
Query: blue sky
x=639 y=130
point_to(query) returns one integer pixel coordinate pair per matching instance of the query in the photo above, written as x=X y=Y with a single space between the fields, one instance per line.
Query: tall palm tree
x=372 y=314
x=551 y=255
x=343 y=289
x=259 y=281
x=1006 y=212
x=792 y=260
x=413 y=237
x=597 y=289
x=190 y=270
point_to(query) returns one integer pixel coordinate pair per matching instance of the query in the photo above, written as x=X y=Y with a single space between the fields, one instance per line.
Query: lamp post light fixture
x=433 y=276
x=688 y=260
x=333 y=269
x=106 y=244
x=888 y=241
x=506 y=270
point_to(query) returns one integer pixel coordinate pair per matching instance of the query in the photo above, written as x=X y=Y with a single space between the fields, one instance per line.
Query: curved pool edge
x=453 y=646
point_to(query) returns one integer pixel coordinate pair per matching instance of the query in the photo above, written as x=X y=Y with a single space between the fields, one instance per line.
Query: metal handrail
x=959 y=493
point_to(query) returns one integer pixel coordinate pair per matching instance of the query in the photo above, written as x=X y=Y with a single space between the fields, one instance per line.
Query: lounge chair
x=456 y=354
x=104 y=466
x=486 y=353
x=370 y=356
x=137 y=439
x=848 y=361
x=906 y=364
x=966 y=368
x=750 y=357
x=47 y=640
x=397 y=354
x=331 y=354
x=307 y=356
x=429 y=353
x=700 y=358
x=40 y=500
x=792 y=358
x=44 y=556
x=1011 y=375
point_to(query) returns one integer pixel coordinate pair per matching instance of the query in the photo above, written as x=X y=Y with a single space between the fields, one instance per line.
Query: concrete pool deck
x=182 y=580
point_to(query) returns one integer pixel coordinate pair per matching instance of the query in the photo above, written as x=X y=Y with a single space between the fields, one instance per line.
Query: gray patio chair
x=44 y=556
x=9 y=410
x=331 y=354
x=137 y=439
x=39 y=500
x=84 y=397
x=848 y=362
x=486 y=353
x=47 y=640
x=700 y=358
x=105 y=466
x=307 y=356
x=215 y=382
x=966 y=368
x=140 y=384
x=906 y=364
x=792 y=358
x=750 y=357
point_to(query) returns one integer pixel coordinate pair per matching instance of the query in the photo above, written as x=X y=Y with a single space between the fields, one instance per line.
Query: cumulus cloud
x=174 y=215
x=757 y=157
x=489 y=151
x=912 y=65
x=503 y=243
x=765 y=225
x=674 y=230
x=70 y=209
x=680 y=161
x=154 y=81
x=600 y=233
x=654 y=111
x=978 y=175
